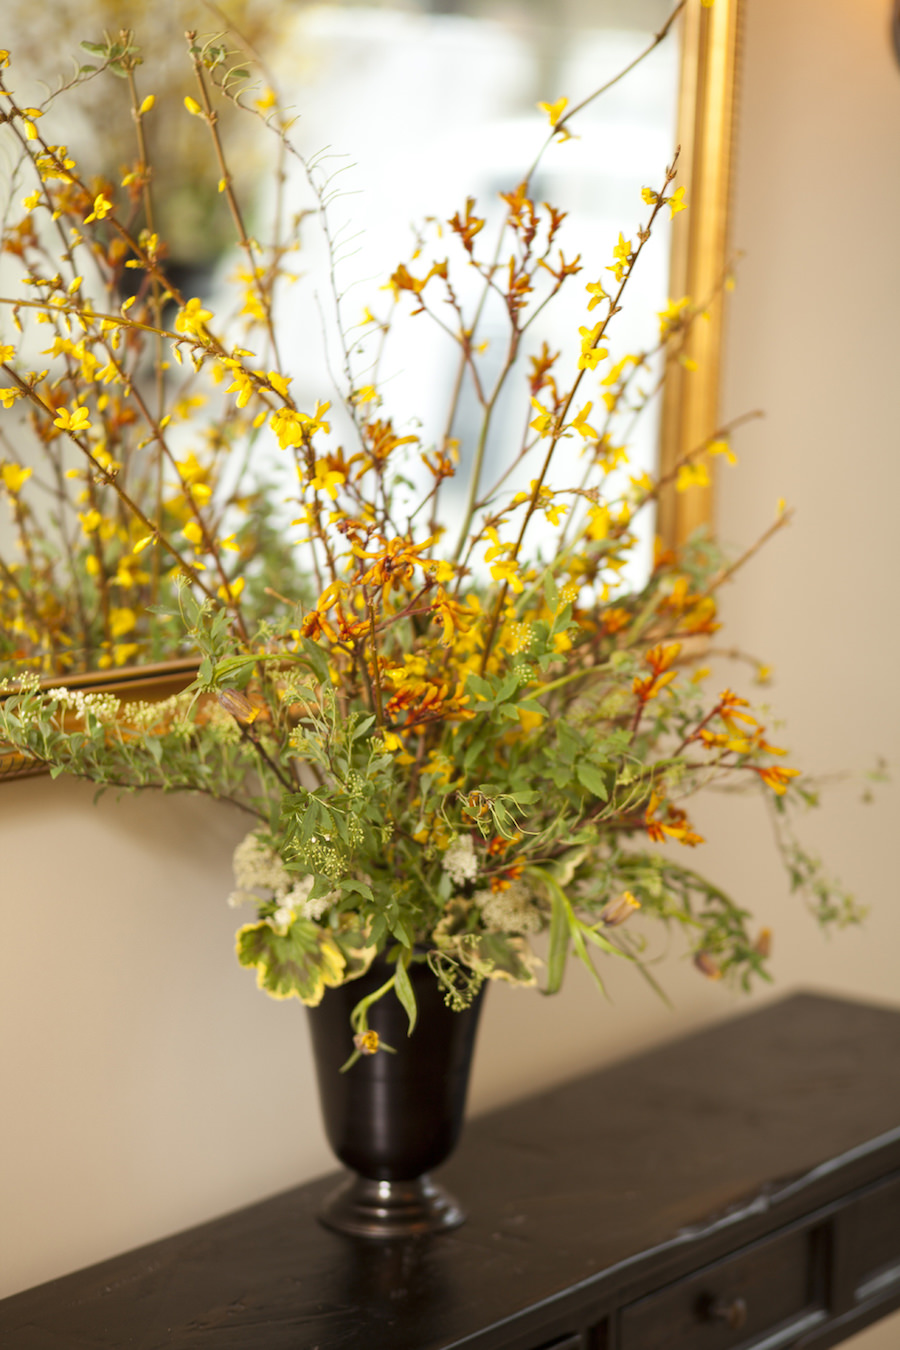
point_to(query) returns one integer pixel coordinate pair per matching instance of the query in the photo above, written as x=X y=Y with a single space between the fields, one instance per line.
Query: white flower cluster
x=22 y=684
x=104 y=707
x=510 y=911
x=257 y=867
x=459 y=861
x=222 y=725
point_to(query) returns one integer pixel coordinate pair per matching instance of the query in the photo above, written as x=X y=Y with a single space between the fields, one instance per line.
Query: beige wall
x=147 y=1085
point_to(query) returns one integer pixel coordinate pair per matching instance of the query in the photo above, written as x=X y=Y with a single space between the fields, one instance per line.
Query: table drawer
x=763 y=1295
x=874 y=1255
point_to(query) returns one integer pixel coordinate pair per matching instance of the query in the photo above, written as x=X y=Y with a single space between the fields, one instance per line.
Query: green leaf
x=300 y=964
x=357 y=947
x=559 y=931
x=379 y=928
x=357 y=887
x=498 y=956
x=401 y=932
x=507 y=688
x=598 y=940
x=404 y=991
x=317 y=659
x=310 y=820
x=563 y=869
x=480 y=687
x=94 y=48
x=592 y=778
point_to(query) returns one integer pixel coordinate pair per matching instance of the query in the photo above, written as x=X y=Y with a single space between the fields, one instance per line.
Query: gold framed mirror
x=708 y=43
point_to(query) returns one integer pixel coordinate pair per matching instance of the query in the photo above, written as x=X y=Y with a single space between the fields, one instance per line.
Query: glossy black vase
x=391 y=1118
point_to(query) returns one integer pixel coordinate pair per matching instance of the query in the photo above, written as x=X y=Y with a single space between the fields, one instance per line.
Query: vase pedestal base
x=390 y=1209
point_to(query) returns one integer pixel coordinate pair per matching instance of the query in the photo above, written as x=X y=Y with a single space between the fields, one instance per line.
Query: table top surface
x=755 y=1121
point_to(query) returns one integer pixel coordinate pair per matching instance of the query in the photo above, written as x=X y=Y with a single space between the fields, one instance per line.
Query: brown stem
x=376 y=674
x=212 y=118
x=613 y=308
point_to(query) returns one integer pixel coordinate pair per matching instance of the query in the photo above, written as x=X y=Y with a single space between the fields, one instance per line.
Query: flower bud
x=617 y=911
x=366 y=1042
x=238 y=704
x=707 y=966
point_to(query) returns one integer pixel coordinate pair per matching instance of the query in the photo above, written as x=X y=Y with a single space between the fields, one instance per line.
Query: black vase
x=391 y=1118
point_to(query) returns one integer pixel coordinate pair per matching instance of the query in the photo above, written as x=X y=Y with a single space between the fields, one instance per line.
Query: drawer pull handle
x=733 y=1312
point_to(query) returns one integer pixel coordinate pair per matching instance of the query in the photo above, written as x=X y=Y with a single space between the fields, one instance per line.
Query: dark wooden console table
x=738 y=1189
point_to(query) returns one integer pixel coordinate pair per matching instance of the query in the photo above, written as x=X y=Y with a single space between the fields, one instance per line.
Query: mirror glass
x=403 y=112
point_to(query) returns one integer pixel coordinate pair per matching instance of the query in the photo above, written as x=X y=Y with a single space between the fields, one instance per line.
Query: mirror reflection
x=402 y=114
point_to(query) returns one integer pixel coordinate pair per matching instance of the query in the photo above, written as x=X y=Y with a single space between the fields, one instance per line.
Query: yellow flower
x=192 y=318
x=236 y=587
x=90 y=520
x=193 y=532
x=622 y=256
x=9 y=395
x=193 y=106
x=597 y=293
x=14 y=477
x=580 y=423
x=327 y=479
x=649 y=196
x=722 y=448
x=543 y=423
x=451 y=615
x=598 y=523
x=555 y=110
x=77 y=420
x=102 y=208
x=505 y=570
x=672 y=315
x=777 y=778
x=677 y=202
x=279 y=383
x=121 y=621
x=691 y=475
x=244 y=385
x=591 y=357
x=147 y=104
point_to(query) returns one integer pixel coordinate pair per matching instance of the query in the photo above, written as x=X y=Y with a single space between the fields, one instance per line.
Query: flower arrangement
x=453 y=728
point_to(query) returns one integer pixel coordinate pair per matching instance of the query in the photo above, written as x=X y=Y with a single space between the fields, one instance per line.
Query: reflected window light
x=408 y=112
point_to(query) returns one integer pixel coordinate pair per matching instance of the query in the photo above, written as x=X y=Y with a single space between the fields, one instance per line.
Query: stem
x=212 y=119
x=376 y=676
x=613 y=303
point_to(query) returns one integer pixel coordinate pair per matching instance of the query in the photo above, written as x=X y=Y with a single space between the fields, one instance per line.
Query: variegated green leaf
x=300 y=964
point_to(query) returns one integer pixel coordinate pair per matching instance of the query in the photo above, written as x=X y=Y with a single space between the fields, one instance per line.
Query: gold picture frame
x=710 y=46
x=707 y=123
